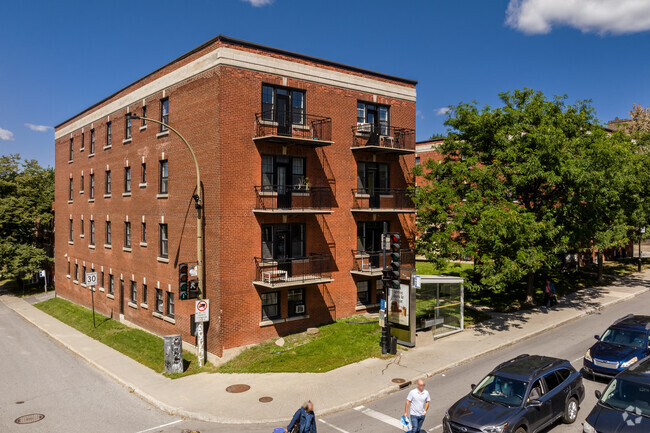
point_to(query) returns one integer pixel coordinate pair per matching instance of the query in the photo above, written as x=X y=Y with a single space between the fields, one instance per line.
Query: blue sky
x=58 y=57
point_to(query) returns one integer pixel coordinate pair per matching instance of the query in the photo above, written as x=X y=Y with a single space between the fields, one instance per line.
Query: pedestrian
x=550 y=294
x=417 y=404
x=304 y=420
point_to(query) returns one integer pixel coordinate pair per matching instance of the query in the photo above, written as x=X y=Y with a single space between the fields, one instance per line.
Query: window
x=270 y=305
x=92 y=141
x=369 y=236
x=563 y=374
x=82 y=184
x=83 y=275
x=294 y=100
x=417 y=160
x=76 y=272
x=127 y=179
x=127 y=234
x=71 y=192
x=111 y=284
x=282 y=171
x=71 y=239
x=92 y=186
x=144 y=294
x=170 y=304
x=134 y=292
x=296 y=300
x=144 y=173
x=83 y=142
x=375 y=118
x=164 y=114
x=552 y=381
x=92 y=234
x=283 y=241
x=81 y=226
x=68 y=269
x=363 y=292
x=109 y=133
x=373 y=178
x=108 y=182
x=144 y=114
x=127 y=126
x=101 y=281
x=71 y=149
x=108 y=232
x=163 y=241
x=159 y=301
x=144 y=233
x=164 y=177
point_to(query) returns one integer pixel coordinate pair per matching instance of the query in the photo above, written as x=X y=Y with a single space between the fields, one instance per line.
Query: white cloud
x=418 y=113
x=595 y=16
x=38 y=128
x=258 y=3
x=442 y=111
x=6 y=135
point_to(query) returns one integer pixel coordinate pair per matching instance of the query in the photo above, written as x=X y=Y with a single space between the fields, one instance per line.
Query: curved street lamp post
x=198 y=199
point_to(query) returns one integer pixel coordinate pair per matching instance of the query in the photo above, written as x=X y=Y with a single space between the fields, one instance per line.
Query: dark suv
x=525 y=394
x=623 y=344
x=625 y=404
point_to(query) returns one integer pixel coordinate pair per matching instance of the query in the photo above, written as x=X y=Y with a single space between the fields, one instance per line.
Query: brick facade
x=214 y=94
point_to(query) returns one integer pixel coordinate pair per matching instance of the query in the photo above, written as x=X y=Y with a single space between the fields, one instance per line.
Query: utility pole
x=198 y=204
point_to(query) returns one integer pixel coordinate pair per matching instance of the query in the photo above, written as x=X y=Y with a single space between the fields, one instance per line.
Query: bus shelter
x=440 y=304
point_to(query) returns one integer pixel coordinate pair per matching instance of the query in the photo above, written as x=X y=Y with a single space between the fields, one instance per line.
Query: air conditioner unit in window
x=300 y=309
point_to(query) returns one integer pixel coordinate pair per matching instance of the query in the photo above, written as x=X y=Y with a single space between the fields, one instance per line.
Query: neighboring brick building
x=425 y=150
x=302 y=159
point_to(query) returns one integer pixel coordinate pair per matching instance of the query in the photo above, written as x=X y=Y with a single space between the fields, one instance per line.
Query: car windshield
x=628 y=396
x=501 y=390
x=624 y=337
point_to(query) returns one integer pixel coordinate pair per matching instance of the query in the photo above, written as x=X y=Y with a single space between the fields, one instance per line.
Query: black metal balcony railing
x=371 y=262
x=293 y=197
x=293 y=125
x=303 y=270
x=383 y=136
x=382 y=198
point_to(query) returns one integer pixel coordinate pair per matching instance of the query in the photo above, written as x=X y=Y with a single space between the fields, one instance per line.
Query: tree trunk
x=600 y=267
x=530 y=289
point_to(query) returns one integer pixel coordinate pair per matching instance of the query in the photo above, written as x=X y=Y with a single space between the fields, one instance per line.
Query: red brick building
x=302 y=161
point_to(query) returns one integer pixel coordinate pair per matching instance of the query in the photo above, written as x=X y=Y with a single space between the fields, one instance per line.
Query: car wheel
x=520 y=430
x=571 y=411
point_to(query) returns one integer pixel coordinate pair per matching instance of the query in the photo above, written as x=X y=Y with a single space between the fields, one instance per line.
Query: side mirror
x=598 y=394
x=597 y=337
x=534 y=403
x=473 y=386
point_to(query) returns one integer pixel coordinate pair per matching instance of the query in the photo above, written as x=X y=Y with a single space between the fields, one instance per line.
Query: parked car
x=621 y=345
x=625 y=404
x=523 y=395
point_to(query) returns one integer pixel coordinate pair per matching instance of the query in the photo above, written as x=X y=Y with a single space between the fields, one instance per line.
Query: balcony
x=395 y=200
x=293 y=272
x=301 y=129
x=293 y=199
x=369 y=263
x=383 y=138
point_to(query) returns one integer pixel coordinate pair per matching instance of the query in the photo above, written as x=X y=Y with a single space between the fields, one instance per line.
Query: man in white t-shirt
x=418 y=402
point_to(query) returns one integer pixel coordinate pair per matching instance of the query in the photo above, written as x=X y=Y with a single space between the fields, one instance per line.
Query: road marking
x=579 y=359
x=379 y=416
x=333 y=426
x=161 y=426
x=436 y=427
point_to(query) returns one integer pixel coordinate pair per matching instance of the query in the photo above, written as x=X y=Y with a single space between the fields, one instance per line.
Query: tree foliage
x=523 y=183
x=26 y=196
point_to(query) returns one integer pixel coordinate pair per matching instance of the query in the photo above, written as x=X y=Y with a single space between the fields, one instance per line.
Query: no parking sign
x=202 y=311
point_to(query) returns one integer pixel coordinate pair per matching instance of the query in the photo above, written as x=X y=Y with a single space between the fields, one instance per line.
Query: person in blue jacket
x=304 y=420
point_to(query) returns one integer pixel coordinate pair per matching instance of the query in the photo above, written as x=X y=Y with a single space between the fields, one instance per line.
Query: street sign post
x=91 y=282
x=43 y=275
x=202 y=311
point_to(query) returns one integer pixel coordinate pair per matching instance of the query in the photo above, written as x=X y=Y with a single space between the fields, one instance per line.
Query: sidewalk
x=204 y=397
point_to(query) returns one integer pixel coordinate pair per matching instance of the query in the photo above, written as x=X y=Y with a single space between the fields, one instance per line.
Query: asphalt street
x=74 y=397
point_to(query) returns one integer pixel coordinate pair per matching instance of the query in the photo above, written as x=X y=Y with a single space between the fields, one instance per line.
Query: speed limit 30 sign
x=91 y=279
x=202 y=311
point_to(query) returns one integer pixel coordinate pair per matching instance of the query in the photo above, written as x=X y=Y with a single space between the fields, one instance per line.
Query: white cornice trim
x=245 y=60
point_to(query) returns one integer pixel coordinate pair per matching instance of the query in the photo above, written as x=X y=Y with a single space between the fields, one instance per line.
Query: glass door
x=373 y=186
x=283 y=173
x=283 y=112
x=282 y=253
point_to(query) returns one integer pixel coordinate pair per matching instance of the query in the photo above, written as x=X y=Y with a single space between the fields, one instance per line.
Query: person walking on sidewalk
x=550 y=294
x=417 y=404
x=304 y=420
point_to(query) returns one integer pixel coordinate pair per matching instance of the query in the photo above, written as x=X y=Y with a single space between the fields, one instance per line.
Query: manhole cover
x=266 y=399
x=399 y=380
x=28 y=419
x=240 y=387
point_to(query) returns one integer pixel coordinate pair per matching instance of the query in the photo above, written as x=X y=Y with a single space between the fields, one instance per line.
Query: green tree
x=26 y=196
x=507 y=185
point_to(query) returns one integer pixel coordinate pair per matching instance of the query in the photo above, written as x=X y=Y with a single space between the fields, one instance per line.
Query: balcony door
x=283 y=112
x=369 y=239
x=372 y=185
x=284 y=186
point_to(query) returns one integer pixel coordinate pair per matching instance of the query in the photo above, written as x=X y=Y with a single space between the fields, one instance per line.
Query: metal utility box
x=173 y=353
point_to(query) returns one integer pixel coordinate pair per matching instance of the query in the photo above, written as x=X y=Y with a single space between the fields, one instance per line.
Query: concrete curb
x=325 y=411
